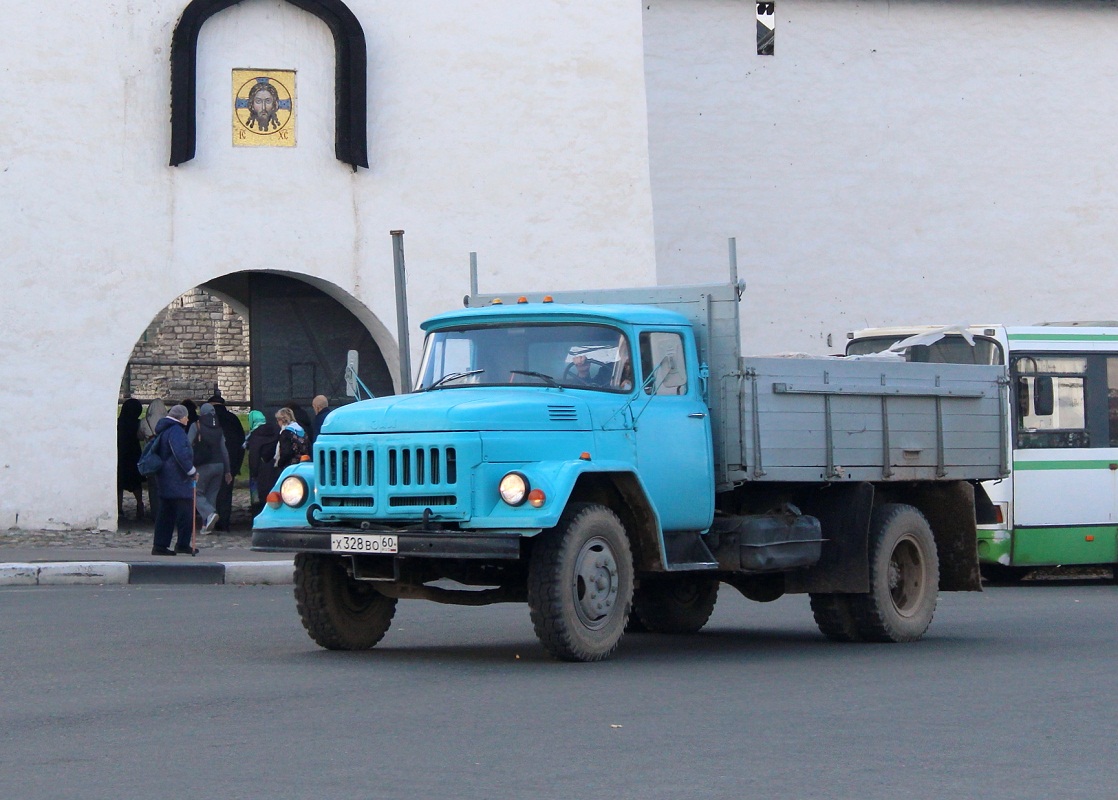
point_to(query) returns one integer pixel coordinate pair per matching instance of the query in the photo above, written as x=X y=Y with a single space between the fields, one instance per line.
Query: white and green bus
x=1059 y=506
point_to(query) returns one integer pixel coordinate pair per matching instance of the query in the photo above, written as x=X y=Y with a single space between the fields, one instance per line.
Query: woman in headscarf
x=128 y=449
x=260 y=447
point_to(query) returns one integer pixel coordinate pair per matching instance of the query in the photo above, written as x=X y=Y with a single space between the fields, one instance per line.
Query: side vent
x=562 y=413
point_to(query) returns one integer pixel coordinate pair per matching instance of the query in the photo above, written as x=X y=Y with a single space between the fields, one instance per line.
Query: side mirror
x=1044 y=397
x=351 y=374
x=674 y=378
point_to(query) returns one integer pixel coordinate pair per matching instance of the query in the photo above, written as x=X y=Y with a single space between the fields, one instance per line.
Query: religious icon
x=263 y=108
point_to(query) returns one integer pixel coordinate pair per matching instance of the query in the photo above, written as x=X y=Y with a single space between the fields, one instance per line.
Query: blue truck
x=611 y=459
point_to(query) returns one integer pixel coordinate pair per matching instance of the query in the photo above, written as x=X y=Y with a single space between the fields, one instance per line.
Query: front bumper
x=411 y=543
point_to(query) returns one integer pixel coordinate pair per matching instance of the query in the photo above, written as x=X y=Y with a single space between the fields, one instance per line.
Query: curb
x=121 y=573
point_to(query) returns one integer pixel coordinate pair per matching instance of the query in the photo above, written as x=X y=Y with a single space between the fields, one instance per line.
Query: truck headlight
x=293 y=491
x=514 y=489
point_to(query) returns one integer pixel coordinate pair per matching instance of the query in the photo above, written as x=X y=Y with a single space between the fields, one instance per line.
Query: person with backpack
x=292 y=444
x=176 y=484
x=211 y=457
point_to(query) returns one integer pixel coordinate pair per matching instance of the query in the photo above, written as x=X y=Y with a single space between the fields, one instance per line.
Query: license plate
x=363 y=542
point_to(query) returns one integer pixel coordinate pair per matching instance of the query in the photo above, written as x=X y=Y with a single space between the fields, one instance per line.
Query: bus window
x=1112 y=398
x=951 y=349
x=1051 y=401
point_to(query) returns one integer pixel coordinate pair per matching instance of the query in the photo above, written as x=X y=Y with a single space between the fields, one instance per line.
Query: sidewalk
x=30 y=558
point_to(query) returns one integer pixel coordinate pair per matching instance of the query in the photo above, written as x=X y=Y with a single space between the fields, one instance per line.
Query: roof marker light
x=584 y=457
x=520 y=300
x=496 y=301
x=548 y=298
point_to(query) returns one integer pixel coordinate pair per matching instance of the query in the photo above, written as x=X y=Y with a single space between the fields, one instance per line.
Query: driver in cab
x=587 y=372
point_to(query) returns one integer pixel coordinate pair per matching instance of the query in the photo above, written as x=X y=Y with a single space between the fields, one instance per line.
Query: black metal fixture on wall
x=350 y=143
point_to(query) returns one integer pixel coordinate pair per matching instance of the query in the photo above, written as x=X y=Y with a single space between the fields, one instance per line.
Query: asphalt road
x=216 y=692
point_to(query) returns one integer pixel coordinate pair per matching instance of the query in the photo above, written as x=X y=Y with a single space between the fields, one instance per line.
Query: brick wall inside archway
x=195 y=343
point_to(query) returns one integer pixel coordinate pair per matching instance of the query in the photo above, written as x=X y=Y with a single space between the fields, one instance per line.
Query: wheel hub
x=595 y=583
x=906 y=576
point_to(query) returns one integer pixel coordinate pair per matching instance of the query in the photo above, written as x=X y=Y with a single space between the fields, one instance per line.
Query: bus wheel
x=676 y=605
x=580 y=584
x=904 y=577
x=338 y=612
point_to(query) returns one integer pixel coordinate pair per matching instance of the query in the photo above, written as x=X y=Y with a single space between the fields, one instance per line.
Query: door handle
x=696 y=415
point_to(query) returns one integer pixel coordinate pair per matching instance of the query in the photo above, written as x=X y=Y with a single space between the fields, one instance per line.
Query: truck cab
x=513 y=406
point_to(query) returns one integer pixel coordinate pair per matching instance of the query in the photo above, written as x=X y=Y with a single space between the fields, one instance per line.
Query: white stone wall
x=893 y=163
x=517 y=130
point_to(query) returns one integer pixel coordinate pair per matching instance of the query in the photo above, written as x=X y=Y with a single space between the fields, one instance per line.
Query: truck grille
x=422 y=466
x=380 y=471
x=403 y=466
x=422 y=500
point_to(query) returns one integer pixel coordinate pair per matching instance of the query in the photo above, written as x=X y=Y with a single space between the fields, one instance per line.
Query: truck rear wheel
x=338 y=612
x=834 y=617
x=580 y=584
x=904 y=577
x=675 y=605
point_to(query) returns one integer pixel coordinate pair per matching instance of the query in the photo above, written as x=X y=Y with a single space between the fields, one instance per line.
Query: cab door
x=673 y=433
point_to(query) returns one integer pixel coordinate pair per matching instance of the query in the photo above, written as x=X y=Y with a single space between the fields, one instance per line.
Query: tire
x=580 y=584
x=834 y=617
x=904 y=577
x=678 y=605
x=338 y=612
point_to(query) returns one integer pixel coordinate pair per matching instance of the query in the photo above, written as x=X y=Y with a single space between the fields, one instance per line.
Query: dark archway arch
x=350 y=144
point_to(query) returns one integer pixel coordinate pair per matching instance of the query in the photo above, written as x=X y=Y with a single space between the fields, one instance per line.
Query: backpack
x=202 y=451
x=299 y=447
x=150 y=461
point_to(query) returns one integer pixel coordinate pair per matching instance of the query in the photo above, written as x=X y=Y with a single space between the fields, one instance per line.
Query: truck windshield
x=595 y=357
x=948 y=350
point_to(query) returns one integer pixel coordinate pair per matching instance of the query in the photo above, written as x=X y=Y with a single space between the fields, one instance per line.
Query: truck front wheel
x=339 y=612
x=675 y=605
x=580 y=584
x=904 y=577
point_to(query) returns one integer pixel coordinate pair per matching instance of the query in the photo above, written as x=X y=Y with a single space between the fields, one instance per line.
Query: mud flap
x=843 y=511
x=949 y=509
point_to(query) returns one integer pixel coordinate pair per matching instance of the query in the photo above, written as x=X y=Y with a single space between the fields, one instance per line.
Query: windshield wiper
x=453 y=376
x=550 y=380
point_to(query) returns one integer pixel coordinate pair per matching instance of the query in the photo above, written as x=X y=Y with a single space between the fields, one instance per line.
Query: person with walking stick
x=177 y=480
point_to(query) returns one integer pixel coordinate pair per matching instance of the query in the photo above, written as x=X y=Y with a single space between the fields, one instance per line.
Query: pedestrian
x=234 y=434
x=293 y=443
x=211 y=457
x=157 y=410
x=305 y=420
x=260 y=446
x=128 y=450
x=191 y=410
x=322 y=409
x=176 y=485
